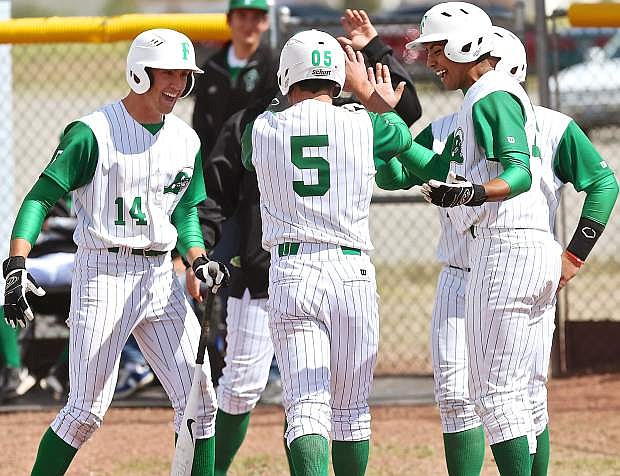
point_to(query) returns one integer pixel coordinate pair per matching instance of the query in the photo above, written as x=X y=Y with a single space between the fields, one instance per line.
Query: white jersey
x=528 y=210
x=551 y=128
x=452 y=247
x=315 y=171
x=139 y=179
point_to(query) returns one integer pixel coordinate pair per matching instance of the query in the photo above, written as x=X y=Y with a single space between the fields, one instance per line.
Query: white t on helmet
x=465 y=27
x=510 y=50
x=311 y=54
x=163 y=49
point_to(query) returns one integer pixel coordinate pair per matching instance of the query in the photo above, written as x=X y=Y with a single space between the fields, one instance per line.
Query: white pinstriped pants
x=449 y=353
x=512 y=285
x=113 y=296
x=323 y=316
x=249 y=351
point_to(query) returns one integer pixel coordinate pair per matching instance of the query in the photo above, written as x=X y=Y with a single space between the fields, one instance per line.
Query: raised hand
x=358 y=28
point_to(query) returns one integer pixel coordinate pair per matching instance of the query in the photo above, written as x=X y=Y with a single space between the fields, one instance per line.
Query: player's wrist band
x=12 y=263
x=585 y=237
x=479 y=196
x=574 y=259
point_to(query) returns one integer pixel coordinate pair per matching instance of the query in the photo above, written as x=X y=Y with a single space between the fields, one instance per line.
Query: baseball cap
x=251 y=4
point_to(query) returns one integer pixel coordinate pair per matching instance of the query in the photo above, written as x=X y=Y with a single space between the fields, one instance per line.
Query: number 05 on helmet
x=159 y=48
x=311 y=54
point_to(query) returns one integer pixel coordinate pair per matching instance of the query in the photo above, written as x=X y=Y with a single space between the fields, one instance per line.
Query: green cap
x=251 y=4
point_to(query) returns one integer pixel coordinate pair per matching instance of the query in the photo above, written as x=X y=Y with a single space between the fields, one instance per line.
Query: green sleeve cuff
x=41 y=198
x=600 y=199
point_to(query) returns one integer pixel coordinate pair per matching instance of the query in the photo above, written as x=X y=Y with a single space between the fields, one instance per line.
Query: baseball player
x=315 y=165
x=131 y=166
x=514 y=263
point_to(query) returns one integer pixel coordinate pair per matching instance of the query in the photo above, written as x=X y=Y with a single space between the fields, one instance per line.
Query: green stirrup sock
x=9 y=349
x=512 y=457
x=54 y=456
x=464 y=452
x=204 y=456
x=230 y=432
x=350 y=458
x=540 y=466
x=289 y=460
x=310 y=455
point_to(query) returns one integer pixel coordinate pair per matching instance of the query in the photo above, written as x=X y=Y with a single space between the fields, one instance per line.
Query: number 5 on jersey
x=303 y=162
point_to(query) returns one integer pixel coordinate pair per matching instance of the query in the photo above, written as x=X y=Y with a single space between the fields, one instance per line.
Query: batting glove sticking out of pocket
x=453 y=192
x=213 y=273
x=18 y=283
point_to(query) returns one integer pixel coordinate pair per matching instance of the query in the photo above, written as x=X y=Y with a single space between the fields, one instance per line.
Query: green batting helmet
x=250 y=4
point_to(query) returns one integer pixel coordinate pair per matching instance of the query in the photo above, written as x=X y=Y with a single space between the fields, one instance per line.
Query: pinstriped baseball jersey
x=551 y=128
x=316 y=182
x=452 y=244
x=527 y=210
x=139 y=179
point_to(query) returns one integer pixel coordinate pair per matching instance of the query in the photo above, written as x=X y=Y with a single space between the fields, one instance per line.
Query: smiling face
x=167 y=86
x=453 y=75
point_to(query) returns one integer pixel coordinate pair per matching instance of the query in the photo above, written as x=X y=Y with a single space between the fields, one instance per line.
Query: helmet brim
x=421 y=40
x=167 y=65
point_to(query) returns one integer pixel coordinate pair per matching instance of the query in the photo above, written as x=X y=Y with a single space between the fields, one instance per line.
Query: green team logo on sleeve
x=185 y=47
x=181 y=180
x=456 y=148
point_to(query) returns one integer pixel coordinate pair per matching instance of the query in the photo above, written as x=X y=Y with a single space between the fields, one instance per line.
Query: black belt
x=139 y=251
x=467 y=270
x=292 y=248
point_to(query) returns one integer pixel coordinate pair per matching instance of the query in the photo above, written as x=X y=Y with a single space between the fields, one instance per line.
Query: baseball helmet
x=159 y=48
x=466 y=29
x=511 y=53
x=311 y=54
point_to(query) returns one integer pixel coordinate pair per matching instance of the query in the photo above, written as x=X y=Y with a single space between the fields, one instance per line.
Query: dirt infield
x=585 y=438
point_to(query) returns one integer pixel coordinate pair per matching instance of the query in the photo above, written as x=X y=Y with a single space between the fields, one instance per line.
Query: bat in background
x=186 y=441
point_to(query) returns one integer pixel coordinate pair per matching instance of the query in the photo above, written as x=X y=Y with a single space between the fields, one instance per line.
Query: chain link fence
x=54 y=84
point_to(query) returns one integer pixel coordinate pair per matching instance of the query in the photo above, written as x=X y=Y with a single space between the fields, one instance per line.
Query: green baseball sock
x=204 y=456
x=289 y=460
x=230 y=431
x=54 y=455
x=464 y=452
x=540 y=465
x=9 y=349
x=310 y=455
x=512 y=457
x=350 y=458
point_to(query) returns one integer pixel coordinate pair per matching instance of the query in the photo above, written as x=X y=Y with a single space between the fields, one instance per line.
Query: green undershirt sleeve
x=425 y=137
x=424 y=163
x=41 y=198
x=600 y=199
x=185 y=215
x=392 y=175
x=391 y=136
x=499 y=127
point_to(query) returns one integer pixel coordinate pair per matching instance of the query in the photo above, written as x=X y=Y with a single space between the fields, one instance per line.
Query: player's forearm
x=185 y=220
x=41 y=198
x=19 y=247
x=516 y=175
x=424 y=163
x=392 y=175
x=600 y=199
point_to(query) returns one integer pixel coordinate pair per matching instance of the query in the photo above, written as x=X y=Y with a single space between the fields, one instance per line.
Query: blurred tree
x=25 y=10
x=370 y=6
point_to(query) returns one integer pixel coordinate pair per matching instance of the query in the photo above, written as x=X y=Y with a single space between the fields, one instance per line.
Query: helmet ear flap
x=138 y=78
x=189 y=85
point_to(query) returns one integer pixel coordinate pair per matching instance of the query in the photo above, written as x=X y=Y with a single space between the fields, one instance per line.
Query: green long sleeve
x=41 y=198
x=600 y=199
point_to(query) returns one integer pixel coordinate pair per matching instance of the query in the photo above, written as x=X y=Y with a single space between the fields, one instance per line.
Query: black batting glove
x=453 y=192
x=213 y=273
x=17 y=311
